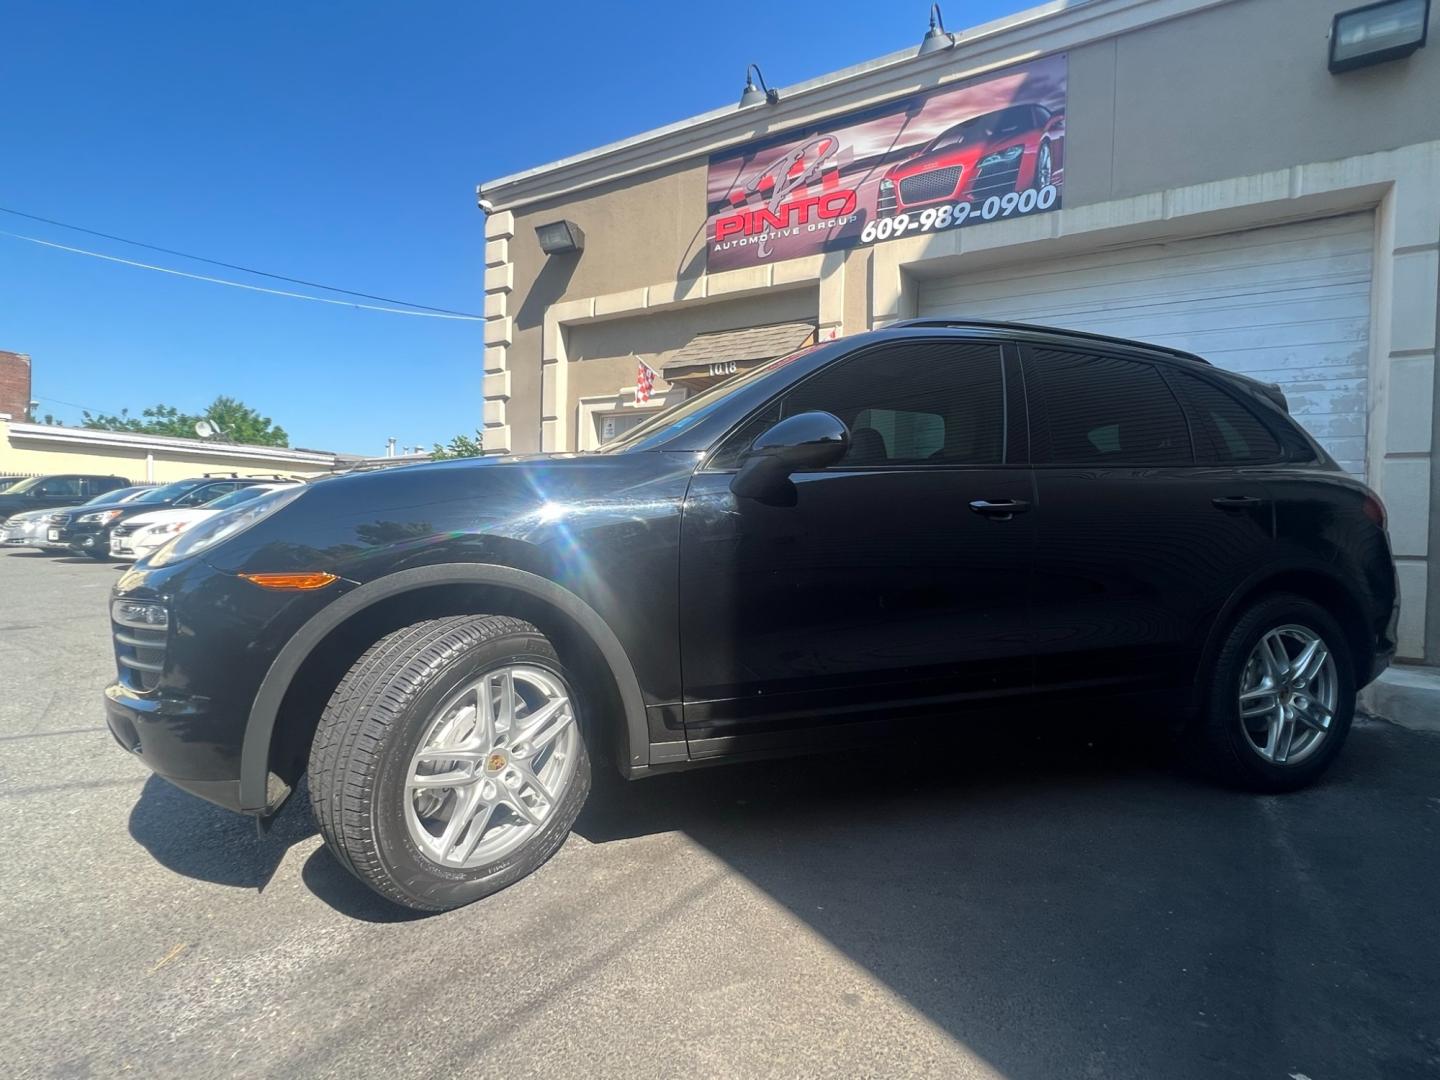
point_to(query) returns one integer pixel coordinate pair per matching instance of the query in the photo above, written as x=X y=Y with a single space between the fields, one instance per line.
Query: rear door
x=895 y=584
x=1140 y=543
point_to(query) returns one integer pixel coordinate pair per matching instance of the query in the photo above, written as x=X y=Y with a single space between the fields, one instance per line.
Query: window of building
x=612 y=425
x=1226 y=431
x=917 y=403
x=1104 y=410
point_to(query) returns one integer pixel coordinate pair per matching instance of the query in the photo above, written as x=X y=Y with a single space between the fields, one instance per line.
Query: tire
x=1044 y=158
x=412 y=686
x=1231 y=750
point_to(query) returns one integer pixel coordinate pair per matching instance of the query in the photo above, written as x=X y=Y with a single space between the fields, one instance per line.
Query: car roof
x=1049 y=331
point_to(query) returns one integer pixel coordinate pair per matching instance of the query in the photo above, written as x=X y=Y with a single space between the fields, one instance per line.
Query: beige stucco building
x=28 y=449
x=1223 y=191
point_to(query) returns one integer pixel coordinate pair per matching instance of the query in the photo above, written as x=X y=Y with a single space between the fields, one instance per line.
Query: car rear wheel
x=1281 y=696
x=450 y=762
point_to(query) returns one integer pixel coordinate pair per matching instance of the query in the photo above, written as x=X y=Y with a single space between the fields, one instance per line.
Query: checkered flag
x=644 y=381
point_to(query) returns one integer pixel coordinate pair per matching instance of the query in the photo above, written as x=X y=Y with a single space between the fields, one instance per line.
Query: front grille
x=995 y=180
x=931 y=186
x=123 y=530
x=141 y=655
x=59 y=519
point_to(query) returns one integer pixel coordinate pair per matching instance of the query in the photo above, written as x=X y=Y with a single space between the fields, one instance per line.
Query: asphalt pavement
x=1028 y=902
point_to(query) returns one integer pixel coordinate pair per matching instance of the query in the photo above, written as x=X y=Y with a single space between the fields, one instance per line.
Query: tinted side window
x=1226 y=431
x=1104 y=410
x=917 y=403
x=62 y=487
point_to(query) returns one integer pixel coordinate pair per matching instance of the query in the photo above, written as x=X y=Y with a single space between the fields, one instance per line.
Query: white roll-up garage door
x=1289 y=304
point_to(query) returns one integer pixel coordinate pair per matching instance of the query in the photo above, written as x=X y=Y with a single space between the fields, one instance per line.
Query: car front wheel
x=1281 y=696
x=449 y=762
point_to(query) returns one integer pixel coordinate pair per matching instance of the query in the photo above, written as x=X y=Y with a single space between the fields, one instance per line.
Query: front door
x=896 y=584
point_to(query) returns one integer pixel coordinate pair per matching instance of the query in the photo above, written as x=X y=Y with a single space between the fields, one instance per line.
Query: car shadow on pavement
x=1065 y=904
x=199 y=840
x=192 y=837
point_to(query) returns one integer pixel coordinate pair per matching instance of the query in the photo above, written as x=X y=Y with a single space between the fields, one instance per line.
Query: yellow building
x=41 y=449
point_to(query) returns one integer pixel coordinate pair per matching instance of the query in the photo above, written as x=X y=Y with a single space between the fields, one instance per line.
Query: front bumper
x=152 y=729
x=182 y=698
x=84 y=541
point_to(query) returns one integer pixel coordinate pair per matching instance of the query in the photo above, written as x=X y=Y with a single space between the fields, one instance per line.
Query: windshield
x=235 y=498
x=670 y=422
x=982 y=128
x=166 y=493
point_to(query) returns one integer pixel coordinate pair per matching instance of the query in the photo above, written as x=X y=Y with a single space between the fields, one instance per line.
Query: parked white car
x=30 y=529
x=138 y=536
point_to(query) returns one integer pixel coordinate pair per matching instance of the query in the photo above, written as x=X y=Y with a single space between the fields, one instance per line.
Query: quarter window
x=1105 y=410
x=918 y=403
x=1226 y=432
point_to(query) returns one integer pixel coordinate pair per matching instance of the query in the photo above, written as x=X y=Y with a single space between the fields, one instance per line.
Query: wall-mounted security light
x=560 y=237
x=754 y=95
x=937 y=37
x=1377 y=32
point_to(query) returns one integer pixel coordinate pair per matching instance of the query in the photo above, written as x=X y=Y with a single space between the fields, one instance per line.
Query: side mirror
x=809 y=440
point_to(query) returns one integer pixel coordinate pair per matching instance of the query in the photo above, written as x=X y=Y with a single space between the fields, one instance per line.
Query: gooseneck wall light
x=754 y=95
x=937 y=37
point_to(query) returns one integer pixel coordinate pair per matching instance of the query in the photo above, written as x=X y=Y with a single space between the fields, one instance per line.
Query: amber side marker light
x=301 y=582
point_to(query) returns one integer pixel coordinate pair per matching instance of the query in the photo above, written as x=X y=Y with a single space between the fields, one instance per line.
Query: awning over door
x=711 y=357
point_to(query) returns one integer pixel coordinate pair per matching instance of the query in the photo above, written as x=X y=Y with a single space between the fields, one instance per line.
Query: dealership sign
x=985 y=150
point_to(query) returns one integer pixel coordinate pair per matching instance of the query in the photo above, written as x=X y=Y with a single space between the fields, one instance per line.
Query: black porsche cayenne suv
x=865 y=537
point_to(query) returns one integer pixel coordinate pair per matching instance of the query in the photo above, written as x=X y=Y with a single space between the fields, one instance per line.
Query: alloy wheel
x=496 y=759
x=1043 y=167
x=1288 y=694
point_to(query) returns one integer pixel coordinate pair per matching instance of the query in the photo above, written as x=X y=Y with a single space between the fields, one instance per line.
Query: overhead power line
x=227 y=265
x=426 y=314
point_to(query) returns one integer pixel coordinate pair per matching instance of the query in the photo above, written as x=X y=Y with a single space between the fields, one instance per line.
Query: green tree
x=461 y=446
x=237 y=421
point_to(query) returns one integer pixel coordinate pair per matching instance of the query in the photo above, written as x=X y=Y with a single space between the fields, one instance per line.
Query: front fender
x=255 y=753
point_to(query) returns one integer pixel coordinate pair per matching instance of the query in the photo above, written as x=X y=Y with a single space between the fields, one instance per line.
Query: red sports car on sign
x=1014 y=148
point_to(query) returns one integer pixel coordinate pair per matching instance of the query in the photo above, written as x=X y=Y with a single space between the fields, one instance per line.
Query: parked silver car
x=28 y=529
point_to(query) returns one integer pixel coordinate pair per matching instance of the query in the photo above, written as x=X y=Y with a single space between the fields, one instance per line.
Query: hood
x=157 y=517
x=31 y=515
x=967 y=156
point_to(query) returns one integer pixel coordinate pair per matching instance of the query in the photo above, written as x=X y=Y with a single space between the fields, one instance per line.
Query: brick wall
x=15 y=384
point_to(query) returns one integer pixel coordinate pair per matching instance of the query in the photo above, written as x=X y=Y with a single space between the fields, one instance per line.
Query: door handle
x=1236 y=502
x=1000 y=509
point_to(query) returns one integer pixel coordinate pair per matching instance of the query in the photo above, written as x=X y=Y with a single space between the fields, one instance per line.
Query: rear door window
x=1094 y=409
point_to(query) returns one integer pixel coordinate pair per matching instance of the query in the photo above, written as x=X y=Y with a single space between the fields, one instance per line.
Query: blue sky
x=339 y=143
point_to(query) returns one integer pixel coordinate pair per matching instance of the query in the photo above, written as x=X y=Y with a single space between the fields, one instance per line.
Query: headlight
x=1002 y=157
x=163 y=528
x=101 y=517
x=887 y=185
x=223 y=526
x=141 y=614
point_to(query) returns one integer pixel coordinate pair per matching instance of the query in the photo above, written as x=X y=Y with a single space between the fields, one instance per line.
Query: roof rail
x=1084 y=335
x=219 y=475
